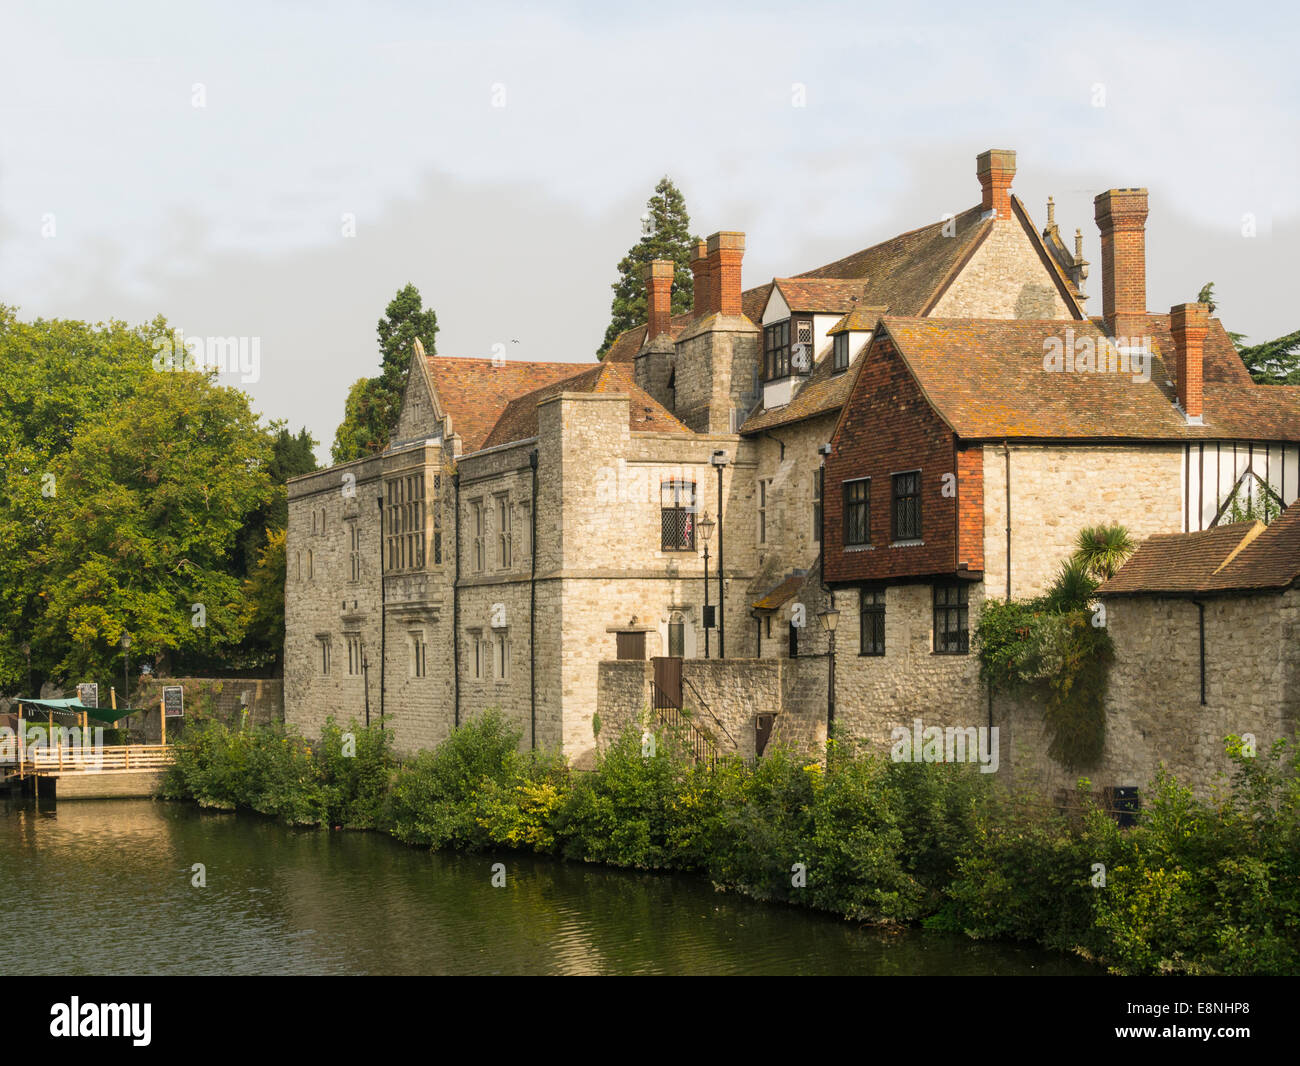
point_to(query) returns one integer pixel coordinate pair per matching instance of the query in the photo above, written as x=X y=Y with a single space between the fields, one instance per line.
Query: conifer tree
x=666 y=234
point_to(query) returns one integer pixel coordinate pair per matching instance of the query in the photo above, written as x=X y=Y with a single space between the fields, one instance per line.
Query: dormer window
x=788 y=348
x=840 y=353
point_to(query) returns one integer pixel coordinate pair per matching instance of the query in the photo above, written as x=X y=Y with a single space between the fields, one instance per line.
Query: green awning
x=99 y=714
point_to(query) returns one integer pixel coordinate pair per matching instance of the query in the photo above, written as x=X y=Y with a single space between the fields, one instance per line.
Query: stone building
x=534 y=535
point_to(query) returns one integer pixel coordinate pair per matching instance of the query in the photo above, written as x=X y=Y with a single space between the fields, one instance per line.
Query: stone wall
x=1056 y=490
x=221 y=698
x=874 y=693
x=1005 y=278
x=1154 y=712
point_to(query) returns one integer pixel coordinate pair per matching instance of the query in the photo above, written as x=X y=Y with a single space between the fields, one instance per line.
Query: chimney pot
x=996 y=168
x=1121 y=217
x=658 y=276
x=725 y=251
x=1189 y=323
x=700 y=272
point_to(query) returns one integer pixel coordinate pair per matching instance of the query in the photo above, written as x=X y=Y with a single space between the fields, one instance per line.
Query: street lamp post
x=706 y=531
x=719 y=460
x=830 y=619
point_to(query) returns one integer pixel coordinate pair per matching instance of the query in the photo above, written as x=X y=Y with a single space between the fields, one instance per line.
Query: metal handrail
x=700 y=699
x=703 y=746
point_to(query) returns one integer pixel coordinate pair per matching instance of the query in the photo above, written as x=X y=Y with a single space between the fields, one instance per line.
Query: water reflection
x=106 y=888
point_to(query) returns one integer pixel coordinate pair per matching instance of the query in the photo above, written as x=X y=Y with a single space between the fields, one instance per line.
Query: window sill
x=871 y=655
x=914 y=543
x=859 y=547
x=950 y=653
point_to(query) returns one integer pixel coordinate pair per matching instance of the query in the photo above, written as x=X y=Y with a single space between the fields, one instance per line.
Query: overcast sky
x=207 y=161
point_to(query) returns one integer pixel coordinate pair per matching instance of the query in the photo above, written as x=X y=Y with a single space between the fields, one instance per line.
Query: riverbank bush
x=1195 y=887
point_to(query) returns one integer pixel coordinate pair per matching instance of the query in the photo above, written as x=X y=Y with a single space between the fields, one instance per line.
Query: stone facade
x=1005 y=278
x=481 y=612
x=1057 y=490
x=1155 y=716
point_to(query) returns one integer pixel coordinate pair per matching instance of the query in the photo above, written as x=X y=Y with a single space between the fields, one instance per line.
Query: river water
x=106 y=887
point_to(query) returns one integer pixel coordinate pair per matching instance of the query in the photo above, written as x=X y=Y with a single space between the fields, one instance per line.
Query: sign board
x=88 y=694
x=174 y=701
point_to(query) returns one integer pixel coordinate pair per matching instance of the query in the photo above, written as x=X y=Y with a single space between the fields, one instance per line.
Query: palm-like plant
x=1102 y=550
x=1073 y=587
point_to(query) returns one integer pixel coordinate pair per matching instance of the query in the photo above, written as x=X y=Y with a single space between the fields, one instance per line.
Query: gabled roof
x=645 y=414
x=475 y=392
x=1242 y=557
x=820 y=294
x=986 y=379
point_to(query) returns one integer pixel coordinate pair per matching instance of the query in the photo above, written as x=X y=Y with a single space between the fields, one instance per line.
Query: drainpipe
x=532 y=602
x=1006 y=453
x=455 y=606
x=383 y=605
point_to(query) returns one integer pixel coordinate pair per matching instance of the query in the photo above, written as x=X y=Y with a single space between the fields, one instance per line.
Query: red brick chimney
x=996 y=168
x=700 y=271
x=1189 y=324
x=1122 y=216
x=658 y=276
x=725 y=251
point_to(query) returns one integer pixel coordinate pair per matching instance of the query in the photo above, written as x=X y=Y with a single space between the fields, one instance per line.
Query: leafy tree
x=290 y=456
x=667 y=236
x=124 y=488
x=263 y=618
x=373 y=404
x=1275 y=362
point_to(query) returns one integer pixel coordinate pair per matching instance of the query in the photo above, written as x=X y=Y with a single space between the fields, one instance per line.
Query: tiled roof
x=1242 y=557
x=905 y=273
x=985 y=377
x=824 y=392
x=820 y=294
x=474 y=392
x=781 y=594
x=645 y=414
x=908 y=271
x=860 y=319
x=1179 y=562
x=629 y=342
x=1222 y=363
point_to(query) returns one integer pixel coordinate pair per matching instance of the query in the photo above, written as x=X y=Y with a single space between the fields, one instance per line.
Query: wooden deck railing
x=78 y=759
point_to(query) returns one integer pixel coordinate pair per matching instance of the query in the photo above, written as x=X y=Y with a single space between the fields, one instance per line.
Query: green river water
x=105 y=887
